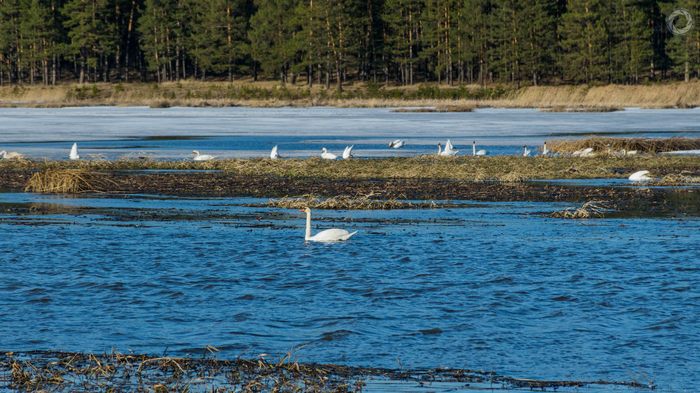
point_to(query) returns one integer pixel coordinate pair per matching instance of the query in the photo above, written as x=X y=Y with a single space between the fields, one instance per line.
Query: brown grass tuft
x=68 y=181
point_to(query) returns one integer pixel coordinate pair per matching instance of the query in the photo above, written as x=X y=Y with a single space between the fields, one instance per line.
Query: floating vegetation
x=682 y=179
x=69 y=181
x=581 y=109
x=439 y=108
x=68 y=372
x=344 y=202
x=614 y=145
x=590 y=209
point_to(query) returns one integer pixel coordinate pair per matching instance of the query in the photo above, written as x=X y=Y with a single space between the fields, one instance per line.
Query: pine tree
x=684 y=49
x=91 y=36
x=273 y=36
x=584 y=41
x=36 y=38
x=10 y=40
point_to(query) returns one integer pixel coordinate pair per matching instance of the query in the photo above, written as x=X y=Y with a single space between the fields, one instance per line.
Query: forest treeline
x=333 y=41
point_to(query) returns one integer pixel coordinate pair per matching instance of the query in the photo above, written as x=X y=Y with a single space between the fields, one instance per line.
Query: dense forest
x=333 y=41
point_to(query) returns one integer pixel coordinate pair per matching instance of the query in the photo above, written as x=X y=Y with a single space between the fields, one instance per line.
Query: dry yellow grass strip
x=344 y=202
x=613 y=145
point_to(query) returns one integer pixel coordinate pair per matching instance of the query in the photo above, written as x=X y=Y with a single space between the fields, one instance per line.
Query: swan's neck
x=307 y=236
x=473 y=149
x=439 y=149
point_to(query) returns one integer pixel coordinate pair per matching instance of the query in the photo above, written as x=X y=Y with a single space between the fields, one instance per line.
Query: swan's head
x=324 y=150
x=305 y=210
x=195 y=152
x=3 y=153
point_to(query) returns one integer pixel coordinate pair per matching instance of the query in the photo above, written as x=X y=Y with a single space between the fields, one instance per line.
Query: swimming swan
x=327 y=236
x=201 y=157
x=397 y=144
x=526 y=151
x=273 y=154
x=481 y=152
x=347 y=153
x=73 y=155
x=640 y=176
x=12 y=155
x=326 y=155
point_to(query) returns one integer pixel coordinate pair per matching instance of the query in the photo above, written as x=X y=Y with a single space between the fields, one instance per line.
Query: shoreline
x=563 y=98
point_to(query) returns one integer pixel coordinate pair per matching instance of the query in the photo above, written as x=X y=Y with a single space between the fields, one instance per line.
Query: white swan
x=640 y=176
x=329 y=235
x=587 y=152
x=397 y=144
x=450 y=149
x=274 y=154
x=201 y=157
x=73 y=155
x=446 y=153
x=326 y=155
x=12 y=155
x=481 y=152
x=347 y=153
x=526 y=151
x=545 y=151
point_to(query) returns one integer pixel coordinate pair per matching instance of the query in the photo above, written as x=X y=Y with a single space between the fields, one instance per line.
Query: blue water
x=495 y=286
x=116 y=132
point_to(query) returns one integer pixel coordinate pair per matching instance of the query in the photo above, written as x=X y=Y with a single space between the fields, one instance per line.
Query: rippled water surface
x=493 y=286
x=109 y=132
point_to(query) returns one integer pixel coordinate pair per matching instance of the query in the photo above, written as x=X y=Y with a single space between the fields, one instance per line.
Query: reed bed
x=69 y=181
x=86 y=175
x=561 y=108
x=345 y=202
x=590 y=209
x=612 y=145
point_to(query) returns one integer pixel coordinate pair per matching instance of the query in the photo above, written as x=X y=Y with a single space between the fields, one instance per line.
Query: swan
x=640 y=176
x=201 y=157
x=481 y=152
x=397 y=144
x=326 y=155
x=587 y=152
x=12 y=155
x=446 y=152
x=329 y=235
x=450 y=149
x=545 y=151
x=273 y=154
x=347 y=153
x=73 y=155
x=526 y=151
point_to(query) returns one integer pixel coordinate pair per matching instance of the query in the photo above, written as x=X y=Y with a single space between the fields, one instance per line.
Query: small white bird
x=12 y=155
x=526 y=151
x=73 y=155
x=326 y=155
x=201 y=157
x=347 y=153
x=545 y=151
x=274 y=154
x=640 y=176
x=327 y=236
x=475 y=152
x=397 y=144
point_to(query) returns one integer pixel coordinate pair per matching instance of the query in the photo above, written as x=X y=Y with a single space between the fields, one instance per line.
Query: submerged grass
x=590 y=209
x=612 y=145
x=345 y=202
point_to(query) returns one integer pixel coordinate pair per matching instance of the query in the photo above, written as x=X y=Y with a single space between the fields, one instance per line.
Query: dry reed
x=68 y=181
x=613 y=145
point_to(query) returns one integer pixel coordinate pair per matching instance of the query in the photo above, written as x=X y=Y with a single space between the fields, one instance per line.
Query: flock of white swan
x=335 y=234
